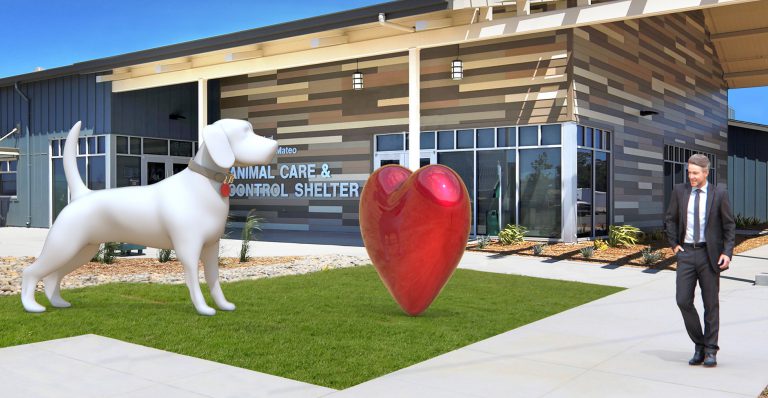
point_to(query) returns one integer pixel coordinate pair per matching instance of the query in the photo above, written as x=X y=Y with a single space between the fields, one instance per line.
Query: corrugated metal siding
x=145 y=112
x=56 y=105
x=747 y=171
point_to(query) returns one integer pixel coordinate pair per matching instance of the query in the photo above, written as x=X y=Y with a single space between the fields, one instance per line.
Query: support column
x=202 y=107
x=414 y=107
x=570 y=182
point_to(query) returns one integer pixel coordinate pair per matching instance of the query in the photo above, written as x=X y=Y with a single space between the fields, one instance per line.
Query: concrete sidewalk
x=630 y=344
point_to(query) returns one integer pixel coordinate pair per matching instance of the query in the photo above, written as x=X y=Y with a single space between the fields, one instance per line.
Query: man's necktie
x=696 y=222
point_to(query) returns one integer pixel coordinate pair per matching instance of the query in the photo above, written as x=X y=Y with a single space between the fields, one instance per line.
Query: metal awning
x=9 y=152
x=740 y=36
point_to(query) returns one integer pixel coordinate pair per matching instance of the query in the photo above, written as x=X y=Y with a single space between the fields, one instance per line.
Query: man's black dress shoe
x=711 y=360
x=698 y=358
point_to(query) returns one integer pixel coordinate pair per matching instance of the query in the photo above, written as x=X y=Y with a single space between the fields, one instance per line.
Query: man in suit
x=701 y=231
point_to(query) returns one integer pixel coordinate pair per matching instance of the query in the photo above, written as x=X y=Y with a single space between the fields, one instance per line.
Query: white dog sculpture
x=186 y=212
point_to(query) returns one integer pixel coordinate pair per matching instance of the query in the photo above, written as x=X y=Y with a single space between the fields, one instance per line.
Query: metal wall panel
x=56 y=105
x=748 y=166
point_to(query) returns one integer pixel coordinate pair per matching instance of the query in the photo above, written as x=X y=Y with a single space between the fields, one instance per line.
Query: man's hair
x=699 y=160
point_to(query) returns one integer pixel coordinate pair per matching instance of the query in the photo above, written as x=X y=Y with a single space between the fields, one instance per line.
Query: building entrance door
x=157 y=168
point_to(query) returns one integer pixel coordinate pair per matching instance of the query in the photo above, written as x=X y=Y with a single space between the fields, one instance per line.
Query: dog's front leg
x=189 y=254
x=210 y=257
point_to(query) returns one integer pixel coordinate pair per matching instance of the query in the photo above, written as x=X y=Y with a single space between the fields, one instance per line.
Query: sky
x=48 y=34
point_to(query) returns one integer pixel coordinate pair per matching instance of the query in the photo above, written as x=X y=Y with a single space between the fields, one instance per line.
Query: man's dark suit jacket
x=720 y=232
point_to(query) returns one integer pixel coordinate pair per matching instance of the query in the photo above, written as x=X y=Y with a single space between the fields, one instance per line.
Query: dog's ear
x=215 y=139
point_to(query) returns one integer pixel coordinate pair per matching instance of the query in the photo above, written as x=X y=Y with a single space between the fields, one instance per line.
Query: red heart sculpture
x=415 y=228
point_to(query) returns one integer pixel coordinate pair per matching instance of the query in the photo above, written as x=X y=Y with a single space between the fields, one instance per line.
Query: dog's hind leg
x=52 y=281
x=210 y=258
x=189 y=255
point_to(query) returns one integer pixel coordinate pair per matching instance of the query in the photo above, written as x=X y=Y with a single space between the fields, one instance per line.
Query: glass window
x=81 y=147
x=485 y=138
x=128 y=171
x=181 y=148
x=8 y=184
x=12 y=165
x=121 y=144
x=598 y=139
x=463 y=163
x=506 y=136
x=584 y=200
x=607 y=137
x=550 y=134
x=101 y=146
x=540 y=185
x=602 y=198
x=92 y=145
x=81 y=168
x=495 y=190
x=580 y=135
x=60 y=191
x=97 y=178
x=529 y=136
x=407 y=141
x=445 y=139
x=669 y=183
x=389 y=142
x=588 y=137
x=55 y=148
x=135 y=146
x=158 y=147
x=465 y=139
x=61 y=147
x=427 y=140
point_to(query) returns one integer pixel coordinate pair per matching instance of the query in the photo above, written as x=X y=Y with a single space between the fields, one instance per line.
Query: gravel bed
x=147 y=270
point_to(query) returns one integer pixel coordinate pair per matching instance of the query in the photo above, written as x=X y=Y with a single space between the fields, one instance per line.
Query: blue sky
x=56 y=33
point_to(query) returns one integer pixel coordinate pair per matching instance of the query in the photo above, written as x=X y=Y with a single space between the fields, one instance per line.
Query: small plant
x=658 y=235
x=539 y=248
x=623 y=235
x=512 y=234
x=107 y=253
x=483 y=242
x=600 y=245
x=587 y=252
x=651 y=257
x=251 y=222
x=746 y=222
x=165 y=255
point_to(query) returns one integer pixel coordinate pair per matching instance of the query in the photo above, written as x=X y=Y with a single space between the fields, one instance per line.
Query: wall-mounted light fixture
x=176 y=116
x=648 y=112
x=457 y=67
x=357 y=77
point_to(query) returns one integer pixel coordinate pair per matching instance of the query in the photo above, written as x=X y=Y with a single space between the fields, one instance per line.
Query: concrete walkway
x=630 y=344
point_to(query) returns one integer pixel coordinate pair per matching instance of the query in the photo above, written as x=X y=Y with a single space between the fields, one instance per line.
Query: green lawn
x=332 y=328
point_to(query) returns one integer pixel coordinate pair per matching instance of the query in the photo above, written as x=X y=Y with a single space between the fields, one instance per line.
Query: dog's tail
x=77 y=188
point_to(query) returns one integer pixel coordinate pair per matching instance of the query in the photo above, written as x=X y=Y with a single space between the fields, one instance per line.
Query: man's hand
x=724 y=262
x=677 y=248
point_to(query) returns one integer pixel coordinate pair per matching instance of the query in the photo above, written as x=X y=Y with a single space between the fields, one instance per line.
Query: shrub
x=622 y=235
x=651 y=257
x=658 y=235
x=483 y=242
x=539 y=248
x=251 y=222
x=512 y=234
x=600 y=245
x=165 y=255
x=107 y=253
x=745 y=222
x=587 y=252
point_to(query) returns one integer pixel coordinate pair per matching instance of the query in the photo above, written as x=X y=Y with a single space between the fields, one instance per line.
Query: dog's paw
x=60 y=303
x=226 y=306
x=207 y=311
x=33 y=307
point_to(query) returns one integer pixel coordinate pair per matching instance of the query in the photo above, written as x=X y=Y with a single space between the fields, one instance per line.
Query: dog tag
x=224 y=190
